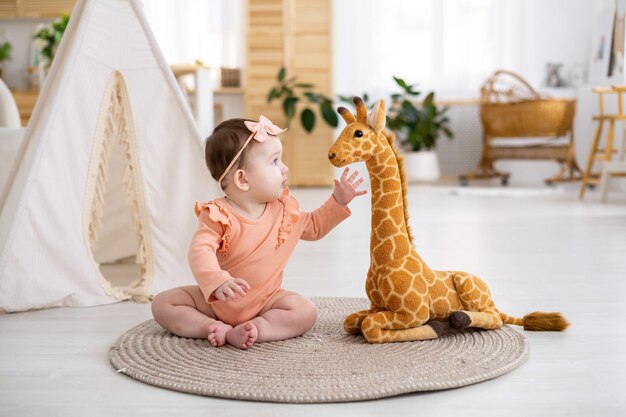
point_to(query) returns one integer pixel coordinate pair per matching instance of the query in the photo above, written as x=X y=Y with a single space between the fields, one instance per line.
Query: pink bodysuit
x=228 y=245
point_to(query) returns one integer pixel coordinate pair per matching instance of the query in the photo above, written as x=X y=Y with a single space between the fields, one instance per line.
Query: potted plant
x=418 y=126
x=5 y=54
x=47 y=39
x=298 y=96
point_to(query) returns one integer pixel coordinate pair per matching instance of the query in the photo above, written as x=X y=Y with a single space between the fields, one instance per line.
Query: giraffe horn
x=346 y=115
x=361 y=110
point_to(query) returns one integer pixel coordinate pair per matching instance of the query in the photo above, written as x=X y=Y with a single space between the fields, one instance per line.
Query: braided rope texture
x=324 y=365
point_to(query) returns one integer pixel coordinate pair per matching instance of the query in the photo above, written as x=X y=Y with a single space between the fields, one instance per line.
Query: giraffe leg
x=388 y=326
x=479 y=309
x=352 y=323
x=481 y=319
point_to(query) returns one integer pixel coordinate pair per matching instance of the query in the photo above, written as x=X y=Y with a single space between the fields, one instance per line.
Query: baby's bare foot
x=217 y=333
x=242 y=336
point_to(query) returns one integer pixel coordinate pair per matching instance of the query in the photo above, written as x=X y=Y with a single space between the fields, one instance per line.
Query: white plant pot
x=422 y=166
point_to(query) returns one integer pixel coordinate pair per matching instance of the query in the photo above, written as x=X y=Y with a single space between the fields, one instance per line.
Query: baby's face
x=266 y=172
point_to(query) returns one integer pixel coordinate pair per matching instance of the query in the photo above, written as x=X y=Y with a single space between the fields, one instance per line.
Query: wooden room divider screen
x=296 y=34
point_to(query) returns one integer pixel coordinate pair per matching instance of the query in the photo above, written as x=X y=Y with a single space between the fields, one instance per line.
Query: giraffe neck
x=389 y=238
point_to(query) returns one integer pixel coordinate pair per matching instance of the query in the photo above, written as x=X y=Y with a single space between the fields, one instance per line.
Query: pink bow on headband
x=260 y=131
x=263 y=129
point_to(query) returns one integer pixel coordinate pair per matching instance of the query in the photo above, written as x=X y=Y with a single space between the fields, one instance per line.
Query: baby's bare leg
x=184 y=312
x=287 y=315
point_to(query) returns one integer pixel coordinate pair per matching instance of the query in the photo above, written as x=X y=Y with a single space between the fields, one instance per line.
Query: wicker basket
x=231 y=77
x=530 y=118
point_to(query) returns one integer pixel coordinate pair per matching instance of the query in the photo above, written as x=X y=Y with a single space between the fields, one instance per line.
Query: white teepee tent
x=109 y=100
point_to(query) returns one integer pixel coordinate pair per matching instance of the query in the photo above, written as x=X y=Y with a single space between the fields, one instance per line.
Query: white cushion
x=9 y=114
x=523 y=142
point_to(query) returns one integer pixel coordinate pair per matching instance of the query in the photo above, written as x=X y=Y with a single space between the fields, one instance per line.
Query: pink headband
x=261 y=132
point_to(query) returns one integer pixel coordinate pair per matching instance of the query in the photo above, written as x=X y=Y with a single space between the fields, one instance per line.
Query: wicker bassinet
x=518 y=123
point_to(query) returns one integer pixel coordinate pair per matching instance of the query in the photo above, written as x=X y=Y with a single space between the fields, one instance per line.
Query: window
x=447 y=45
x=207 y=30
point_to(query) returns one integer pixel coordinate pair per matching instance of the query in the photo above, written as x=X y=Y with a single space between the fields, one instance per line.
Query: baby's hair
x=223 y=144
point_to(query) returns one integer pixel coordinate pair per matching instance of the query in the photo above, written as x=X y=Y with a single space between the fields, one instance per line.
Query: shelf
x=229 y=90
x=34 y=9
x=25 y=100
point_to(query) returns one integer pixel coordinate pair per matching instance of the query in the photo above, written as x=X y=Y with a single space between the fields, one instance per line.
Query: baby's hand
x=346 y=188
x=228 y=291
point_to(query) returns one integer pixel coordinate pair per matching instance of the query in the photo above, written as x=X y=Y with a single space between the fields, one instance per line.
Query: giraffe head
x=362 y=137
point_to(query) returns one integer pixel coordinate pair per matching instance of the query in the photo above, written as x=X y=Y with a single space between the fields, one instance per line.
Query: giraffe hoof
x=459 y=320
x=437 y=326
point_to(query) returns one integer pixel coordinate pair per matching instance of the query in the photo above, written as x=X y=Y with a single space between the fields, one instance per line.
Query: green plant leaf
x=328 y=113
x=325 y=99
x=313 y=98
x=418 y=125
x=307 y=117
x=274 y=93
x=428 y=101
x=400 y=82
x=291 y=92
x=5 y=51
x=289 y=108
x=287 y=91
x=345 y=99
x=413 y=140
x=413 y=93
x=409 y=113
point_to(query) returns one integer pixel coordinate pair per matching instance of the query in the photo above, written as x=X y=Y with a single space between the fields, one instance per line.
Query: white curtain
x=207 y=30
x=449 y=46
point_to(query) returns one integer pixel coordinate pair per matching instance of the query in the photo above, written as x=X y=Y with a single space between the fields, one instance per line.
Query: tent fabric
x=10 y=139
x=108 y=84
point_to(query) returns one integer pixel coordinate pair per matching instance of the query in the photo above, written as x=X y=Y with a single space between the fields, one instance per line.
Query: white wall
x=550 y=31
x=555 y=31
x=19 y=33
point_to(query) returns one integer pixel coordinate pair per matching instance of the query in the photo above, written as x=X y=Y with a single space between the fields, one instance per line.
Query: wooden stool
x=591 y=178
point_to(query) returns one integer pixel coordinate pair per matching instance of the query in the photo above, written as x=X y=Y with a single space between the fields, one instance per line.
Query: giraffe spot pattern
x=394 y=302
x=398 y=279
x=401 y=282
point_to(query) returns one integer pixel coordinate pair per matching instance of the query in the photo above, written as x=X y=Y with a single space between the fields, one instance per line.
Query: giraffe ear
x=377 y=117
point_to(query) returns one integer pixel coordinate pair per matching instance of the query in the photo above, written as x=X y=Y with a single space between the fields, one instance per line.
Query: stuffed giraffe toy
x=408 y=299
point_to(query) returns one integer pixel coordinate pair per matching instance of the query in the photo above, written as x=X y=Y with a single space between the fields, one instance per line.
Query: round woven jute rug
x=324 y=365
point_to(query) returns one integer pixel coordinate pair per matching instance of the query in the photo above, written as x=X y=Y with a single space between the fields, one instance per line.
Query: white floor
x=537 y=248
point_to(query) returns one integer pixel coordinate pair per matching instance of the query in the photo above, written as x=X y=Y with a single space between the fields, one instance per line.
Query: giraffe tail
x=538 y=321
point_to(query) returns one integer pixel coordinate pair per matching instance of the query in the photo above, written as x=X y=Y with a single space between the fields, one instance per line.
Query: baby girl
x=244 y=240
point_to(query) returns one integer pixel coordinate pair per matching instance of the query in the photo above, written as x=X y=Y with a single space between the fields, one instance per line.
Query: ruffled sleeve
x=219 y=216
x=291 y=213
x=211 y=238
